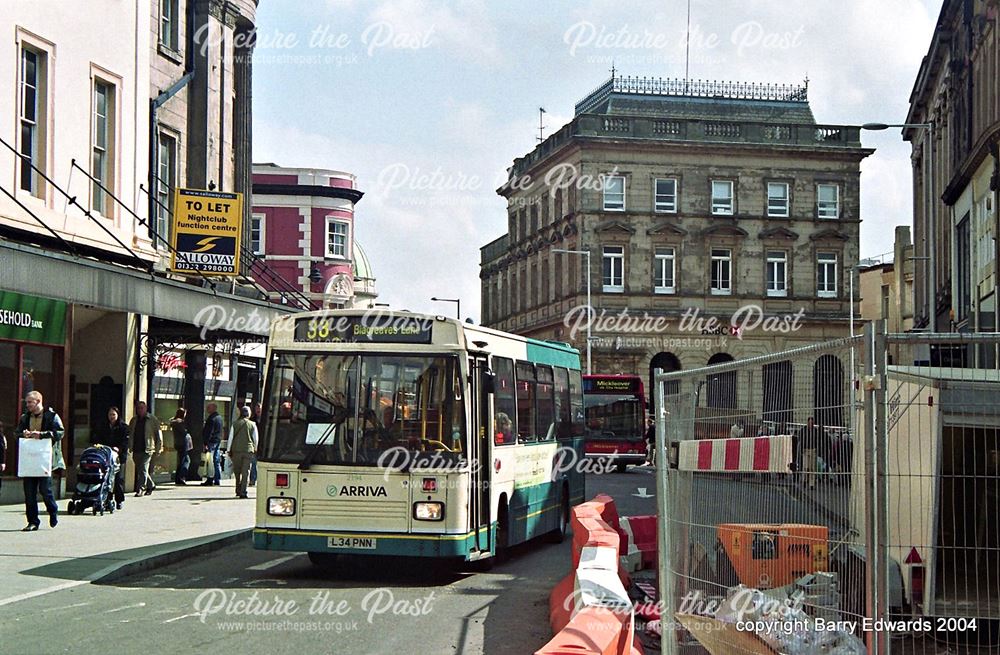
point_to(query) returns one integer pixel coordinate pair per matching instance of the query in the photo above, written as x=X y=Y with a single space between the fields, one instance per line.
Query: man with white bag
x=39 y=423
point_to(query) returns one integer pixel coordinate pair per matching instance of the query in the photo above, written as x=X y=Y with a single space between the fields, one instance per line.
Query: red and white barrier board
x=769 y=454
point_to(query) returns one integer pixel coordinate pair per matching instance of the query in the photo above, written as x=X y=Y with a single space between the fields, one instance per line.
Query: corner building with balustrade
x=695 y=201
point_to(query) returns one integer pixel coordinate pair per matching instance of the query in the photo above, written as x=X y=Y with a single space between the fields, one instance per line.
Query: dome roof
x=362 y=267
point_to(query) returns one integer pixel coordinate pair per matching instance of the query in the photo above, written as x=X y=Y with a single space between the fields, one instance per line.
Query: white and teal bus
x=393 y=433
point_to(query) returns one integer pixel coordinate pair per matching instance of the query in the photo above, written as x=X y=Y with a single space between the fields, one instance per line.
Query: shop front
x=32 y=358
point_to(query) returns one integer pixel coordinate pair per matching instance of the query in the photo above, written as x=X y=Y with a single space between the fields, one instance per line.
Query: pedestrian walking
x=241 y=449
x=114 y=433
x=147 y=442
x=736 y=431
x=650 y=442
x=40 y=423
x=809 y=442
x=211 y=437
x=182 y=446
x=255 y=417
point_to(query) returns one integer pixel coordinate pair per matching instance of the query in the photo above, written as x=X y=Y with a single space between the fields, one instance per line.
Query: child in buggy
x=95 y=475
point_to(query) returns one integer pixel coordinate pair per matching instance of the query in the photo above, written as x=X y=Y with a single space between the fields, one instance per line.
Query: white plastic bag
x=34 y=458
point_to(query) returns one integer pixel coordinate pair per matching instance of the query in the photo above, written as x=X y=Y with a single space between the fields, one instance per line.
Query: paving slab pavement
x=173 y=523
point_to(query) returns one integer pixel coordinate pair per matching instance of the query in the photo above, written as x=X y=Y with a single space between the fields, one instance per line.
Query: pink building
x=303 y=227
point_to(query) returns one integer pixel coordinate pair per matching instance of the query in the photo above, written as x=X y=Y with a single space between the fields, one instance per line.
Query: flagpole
x=687 y=49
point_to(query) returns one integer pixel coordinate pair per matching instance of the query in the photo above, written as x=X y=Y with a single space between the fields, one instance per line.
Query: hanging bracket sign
x=207 y=230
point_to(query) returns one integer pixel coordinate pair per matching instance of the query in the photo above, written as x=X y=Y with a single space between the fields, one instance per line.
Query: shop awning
x=32 y=270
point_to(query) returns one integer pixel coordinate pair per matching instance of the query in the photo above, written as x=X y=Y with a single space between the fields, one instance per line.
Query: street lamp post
x=930 y=282
x=458 y=305
x=590 y=307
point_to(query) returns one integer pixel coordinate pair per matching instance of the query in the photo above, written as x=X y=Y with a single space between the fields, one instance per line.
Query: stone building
x=721 y=221
x=200 y=92
x=956 y=175
x=886 y=287
x=104 y=105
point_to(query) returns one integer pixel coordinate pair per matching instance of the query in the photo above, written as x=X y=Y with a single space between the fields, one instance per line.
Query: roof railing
x=694 y=89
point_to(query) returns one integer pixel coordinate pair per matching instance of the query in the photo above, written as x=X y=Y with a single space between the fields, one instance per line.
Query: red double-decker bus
x=615 y=412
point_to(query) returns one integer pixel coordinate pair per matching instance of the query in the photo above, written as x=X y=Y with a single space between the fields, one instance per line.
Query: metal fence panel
x=860 y=493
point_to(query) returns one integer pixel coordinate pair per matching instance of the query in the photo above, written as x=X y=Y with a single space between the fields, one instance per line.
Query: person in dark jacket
x=182 y=445
x=40 y=423
x=114 y=433
x=810 y=441
x=211 y=437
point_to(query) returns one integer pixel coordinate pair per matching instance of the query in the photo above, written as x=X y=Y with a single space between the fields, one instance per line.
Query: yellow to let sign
x=208 y=226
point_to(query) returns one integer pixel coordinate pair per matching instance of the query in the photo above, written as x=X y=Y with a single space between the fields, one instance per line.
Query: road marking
x=127 y=607
x=178 y=618
x=273 y=563
x=229 y=580
x=65 y=607
x=42 y=592
x=262 y=580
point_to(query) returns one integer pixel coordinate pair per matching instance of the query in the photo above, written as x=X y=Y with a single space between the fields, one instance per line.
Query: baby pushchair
x=95 y=477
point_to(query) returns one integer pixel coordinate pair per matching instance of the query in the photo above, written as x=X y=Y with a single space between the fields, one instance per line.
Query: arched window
x=669 y=363
x=777 y=382
x=721 y=387
x=828 y=391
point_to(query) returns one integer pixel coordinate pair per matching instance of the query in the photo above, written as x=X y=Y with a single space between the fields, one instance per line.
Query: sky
x=429 y=102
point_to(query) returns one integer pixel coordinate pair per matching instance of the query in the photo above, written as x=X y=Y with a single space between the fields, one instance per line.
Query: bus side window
x=545 y=415
x=562 y=407
x=525 y=402
x=576 y=402
x=504 y=402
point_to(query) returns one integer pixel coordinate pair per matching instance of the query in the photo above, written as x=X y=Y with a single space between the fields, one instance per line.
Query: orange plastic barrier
x=593 y=532
x=645 y=535
x=593 y=631
x=561 y=602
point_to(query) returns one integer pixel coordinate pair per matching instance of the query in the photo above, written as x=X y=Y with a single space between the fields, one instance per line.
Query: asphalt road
x=241 y=600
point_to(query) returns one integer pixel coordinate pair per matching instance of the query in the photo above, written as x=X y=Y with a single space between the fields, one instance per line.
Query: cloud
x=431 y=136
x=462 y=27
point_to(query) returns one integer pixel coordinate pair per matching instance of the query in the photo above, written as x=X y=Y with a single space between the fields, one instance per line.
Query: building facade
x=956 y=176
x=303 y=228
x=720 y=219
x=89 y=311
x=886 y=287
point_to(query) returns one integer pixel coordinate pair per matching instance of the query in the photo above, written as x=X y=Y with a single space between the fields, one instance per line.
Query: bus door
x=479 y=450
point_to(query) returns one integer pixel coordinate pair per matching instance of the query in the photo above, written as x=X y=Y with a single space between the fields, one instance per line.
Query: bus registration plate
x=362 y=543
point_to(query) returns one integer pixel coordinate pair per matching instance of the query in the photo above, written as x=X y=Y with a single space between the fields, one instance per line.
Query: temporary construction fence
x=836 y=498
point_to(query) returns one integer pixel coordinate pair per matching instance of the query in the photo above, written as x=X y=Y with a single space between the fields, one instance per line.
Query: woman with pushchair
x=114 y=433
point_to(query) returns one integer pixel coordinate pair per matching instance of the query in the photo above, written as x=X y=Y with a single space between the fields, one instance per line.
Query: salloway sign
x=207 y=230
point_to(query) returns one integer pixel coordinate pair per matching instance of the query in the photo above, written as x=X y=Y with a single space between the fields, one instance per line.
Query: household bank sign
x=29 y=318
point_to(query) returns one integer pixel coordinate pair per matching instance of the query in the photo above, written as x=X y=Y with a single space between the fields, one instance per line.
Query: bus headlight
x=281 y=506
x=428 y=511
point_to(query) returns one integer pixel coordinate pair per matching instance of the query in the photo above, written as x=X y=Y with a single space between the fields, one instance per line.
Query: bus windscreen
x=353 y=409
x=613 y=415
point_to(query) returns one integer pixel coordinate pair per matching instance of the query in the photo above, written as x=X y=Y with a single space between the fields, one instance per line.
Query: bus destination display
x=610 y=385
x=361 y=329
